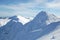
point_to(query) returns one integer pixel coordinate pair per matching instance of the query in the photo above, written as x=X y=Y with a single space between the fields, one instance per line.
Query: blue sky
x=29 y=8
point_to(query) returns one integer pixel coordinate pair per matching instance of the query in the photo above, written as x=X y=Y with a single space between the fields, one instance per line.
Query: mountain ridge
x=32 y=30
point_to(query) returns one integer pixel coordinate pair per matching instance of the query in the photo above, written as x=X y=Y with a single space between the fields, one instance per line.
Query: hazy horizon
x=28 y=8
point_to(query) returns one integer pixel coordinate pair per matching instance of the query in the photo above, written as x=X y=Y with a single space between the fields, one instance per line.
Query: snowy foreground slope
x=43 y=27
x=52 y=36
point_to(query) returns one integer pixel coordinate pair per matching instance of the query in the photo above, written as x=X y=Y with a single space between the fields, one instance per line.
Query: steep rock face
x=41 y=20
x=37 y=22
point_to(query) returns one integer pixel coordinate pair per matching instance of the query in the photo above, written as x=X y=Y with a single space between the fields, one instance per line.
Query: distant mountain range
x=43 y=27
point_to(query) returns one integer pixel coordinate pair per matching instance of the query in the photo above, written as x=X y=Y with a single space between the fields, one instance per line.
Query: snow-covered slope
x=20 y=19
x=52 y=18
x=4 y=21
x=23 y=20
x=55 y=35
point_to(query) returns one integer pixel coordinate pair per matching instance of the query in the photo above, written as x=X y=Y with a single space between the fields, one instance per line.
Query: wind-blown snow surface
x=43 y=27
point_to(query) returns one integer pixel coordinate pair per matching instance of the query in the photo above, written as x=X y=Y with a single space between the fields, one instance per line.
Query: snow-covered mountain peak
x=52 y=18
x=45 y=17
x=23 y=20
x=4 y=21
x=41 y=14
x=20 y=19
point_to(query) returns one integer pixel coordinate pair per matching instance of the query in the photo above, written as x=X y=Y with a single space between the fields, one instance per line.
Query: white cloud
x=53 y=4
x=58 y=17
x=31 y=8
x=25 y=8
x=39 y=1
